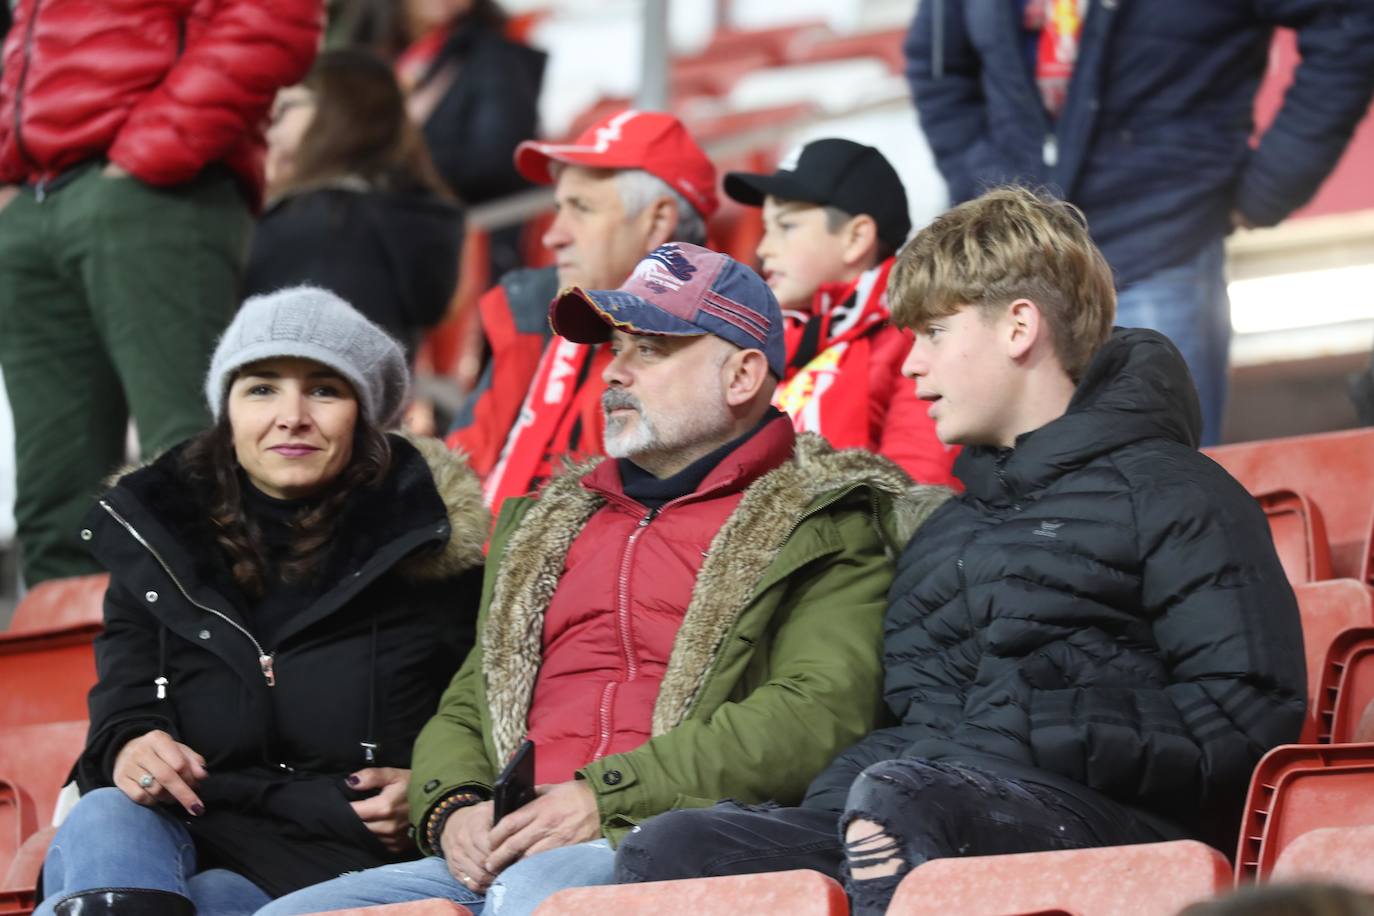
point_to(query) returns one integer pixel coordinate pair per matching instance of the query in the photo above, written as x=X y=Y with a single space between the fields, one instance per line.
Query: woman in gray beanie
x=290 y=592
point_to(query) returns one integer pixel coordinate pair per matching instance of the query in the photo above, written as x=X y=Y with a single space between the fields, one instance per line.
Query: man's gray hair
x=638 y=189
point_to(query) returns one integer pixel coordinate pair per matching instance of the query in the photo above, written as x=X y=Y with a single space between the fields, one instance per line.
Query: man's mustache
x=616 y=399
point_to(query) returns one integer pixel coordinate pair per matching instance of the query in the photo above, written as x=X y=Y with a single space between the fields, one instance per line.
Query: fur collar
x=736 y=562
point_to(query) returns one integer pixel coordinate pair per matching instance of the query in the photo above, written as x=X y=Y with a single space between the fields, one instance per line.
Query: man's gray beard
x=622 y=444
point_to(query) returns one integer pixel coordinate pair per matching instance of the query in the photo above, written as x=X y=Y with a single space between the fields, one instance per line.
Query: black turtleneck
x=274 y=519
x=652 y=492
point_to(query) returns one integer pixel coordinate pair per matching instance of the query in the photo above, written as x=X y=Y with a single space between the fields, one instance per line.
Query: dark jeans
x=927 y=809
x=112 y=294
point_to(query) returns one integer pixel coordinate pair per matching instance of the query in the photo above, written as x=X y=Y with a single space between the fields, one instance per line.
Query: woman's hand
x=387 y=814
x=154 y=768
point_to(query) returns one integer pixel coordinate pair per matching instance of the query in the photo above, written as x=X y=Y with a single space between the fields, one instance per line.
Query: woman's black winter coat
x=1103 y=607
x=365 y=662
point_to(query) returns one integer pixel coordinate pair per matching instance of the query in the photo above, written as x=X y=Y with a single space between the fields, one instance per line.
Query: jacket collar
x=1137 y=387
x=739 y=556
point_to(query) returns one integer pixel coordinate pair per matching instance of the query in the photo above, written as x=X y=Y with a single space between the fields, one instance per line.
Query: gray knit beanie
x=313 y=323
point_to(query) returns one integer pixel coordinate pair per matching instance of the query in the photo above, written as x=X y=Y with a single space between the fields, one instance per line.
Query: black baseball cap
x=833 y=173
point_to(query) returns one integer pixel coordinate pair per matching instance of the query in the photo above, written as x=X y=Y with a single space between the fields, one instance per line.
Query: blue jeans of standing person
x=1188 y=304
x=517 y=891
x=110 y=841
x=924 y=810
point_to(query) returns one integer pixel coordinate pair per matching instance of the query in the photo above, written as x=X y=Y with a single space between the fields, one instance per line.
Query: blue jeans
x=109 y=841
x=1188 y=304
x=516 y=892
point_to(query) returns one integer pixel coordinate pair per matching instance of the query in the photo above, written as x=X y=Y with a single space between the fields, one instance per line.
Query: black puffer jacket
x=1102 y=607
x=365 y=662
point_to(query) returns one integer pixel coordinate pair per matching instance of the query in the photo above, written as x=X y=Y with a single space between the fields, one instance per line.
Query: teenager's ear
x=860 y=236
x=745 y=373
x=661 y=222
x=1025 y=326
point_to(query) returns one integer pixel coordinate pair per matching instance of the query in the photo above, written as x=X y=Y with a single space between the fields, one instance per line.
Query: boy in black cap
x=834 y=215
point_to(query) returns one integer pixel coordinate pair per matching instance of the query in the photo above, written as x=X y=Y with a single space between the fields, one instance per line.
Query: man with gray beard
x=698 y=617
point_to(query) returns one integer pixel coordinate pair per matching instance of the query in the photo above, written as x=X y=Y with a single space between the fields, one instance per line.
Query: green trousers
x=112 y=295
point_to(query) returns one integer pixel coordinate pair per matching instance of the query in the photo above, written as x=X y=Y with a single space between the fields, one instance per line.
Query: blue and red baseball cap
x=679 y=290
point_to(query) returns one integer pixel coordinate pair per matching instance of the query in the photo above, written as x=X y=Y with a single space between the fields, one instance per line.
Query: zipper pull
x=1050 y=152
x=40 y=190
x=369 y=751
x=265 y=661
x=644 y=522
x=161 y=683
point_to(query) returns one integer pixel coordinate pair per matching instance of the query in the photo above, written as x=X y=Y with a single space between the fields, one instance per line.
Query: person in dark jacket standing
x=1093 y=645
x=1141 y=114
x=131 y=159
x=290 y=591
x=356 y=207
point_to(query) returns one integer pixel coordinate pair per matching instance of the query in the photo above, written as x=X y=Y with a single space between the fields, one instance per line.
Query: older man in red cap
x=625 y=186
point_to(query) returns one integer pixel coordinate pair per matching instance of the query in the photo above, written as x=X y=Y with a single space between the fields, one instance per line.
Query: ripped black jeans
x=925 y=809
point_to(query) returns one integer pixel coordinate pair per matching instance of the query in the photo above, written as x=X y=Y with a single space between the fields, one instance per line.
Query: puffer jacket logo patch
x=1048 y=529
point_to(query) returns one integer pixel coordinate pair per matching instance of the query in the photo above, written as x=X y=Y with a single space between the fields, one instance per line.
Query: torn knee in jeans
x=870 y=851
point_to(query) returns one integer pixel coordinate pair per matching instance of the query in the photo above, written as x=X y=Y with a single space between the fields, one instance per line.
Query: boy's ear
x=1025 y=325
x=860 y=237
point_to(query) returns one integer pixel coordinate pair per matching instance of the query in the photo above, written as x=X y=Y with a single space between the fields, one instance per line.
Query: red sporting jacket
x=162 y=89
x=609 y=630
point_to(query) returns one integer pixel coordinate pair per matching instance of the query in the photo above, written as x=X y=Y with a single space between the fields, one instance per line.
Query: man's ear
x=860 y=237
x=745 y=372
x=660 y=224
x=1024 y=327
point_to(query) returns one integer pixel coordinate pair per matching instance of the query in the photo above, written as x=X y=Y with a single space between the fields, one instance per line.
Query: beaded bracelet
x=439 y=815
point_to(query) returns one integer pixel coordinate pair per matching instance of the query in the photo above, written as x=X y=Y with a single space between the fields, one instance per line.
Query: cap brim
x=589 y=316
x=750 y=189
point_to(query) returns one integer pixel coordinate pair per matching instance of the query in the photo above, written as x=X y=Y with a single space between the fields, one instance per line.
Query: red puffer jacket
x=162 y=88
x=609 y=630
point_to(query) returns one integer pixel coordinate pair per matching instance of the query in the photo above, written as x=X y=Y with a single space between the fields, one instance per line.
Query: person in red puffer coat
x=131 y=160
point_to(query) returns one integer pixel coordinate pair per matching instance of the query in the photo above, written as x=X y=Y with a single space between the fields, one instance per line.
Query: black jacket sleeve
x=1228 y=632
x=1329 y=95
x=123 y=704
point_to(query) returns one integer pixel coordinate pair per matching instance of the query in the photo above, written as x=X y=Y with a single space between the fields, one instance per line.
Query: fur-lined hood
x=737 y=563
x=161 y=488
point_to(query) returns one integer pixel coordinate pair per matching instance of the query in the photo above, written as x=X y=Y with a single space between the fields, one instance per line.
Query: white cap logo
x=789 y=162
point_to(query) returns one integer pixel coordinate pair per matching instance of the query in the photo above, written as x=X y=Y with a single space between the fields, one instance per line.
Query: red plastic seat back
x=1328 y=609
x=34 y=762
x=1339 y=855
x=47 y=664
x=1297 y=788
x=1331 y=469
x=1299 y=536
x=1347 y=684
x=1143 y=880
x=796 y=893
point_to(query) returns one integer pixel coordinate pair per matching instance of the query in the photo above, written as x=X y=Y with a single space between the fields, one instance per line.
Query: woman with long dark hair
x=355 y=204
x=290 y=592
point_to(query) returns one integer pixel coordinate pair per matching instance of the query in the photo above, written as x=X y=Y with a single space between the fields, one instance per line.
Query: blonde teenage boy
x=1093 y=645
x=834 y=213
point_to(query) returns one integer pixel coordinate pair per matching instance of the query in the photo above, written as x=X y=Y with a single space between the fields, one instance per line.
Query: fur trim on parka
x=738 y=557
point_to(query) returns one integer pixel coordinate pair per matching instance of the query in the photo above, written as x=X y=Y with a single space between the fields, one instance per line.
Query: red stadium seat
x=46 y=662
x=796 y=893
x=1143 y=880
x=1298 y=788
x=1339 y=855
x=1328 y=609
x=1347 y=685
x=1299 y=536
x=34 y=763
x=1331 y=469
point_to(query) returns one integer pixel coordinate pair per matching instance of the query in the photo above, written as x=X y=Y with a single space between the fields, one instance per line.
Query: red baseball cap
x=653 y=141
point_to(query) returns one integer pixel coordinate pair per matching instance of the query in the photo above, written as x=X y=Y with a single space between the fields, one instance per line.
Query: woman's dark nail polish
x=197 y=810
x=353 y=780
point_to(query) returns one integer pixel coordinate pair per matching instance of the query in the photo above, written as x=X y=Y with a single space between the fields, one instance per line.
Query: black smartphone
x=515 y=786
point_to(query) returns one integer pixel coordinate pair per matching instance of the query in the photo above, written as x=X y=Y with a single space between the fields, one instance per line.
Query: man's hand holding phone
x=561 y=815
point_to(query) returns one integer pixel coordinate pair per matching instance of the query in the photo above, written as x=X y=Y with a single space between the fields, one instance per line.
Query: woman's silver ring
x=146 y=780
x=466 y=879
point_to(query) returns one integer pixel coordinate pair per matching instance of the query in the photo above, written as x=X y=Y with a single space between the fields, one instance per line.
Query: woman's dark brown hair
x=361 y=128
x=211 y=465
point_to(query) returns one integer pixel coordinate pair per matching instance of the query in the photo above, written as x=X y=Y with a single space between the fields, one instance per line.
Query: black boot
x=125 y=901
